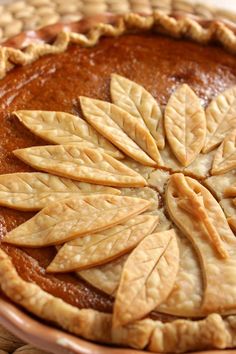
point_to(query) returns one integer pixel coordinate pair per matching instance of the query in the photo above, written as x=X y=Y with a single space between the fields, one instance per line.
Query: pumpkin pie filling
x=156 y=62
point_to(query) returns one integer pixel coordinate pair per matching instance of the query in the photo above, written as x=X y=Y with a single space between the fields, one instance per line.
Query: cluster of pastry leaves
x=94 y=223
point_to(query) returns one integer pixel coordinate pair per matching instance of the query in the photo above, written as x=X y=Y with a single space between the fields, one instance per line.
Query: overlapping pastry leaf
x=34 y=191
x=147 y=277
x=69 y=218
x=100 y=248
x=185 y=124
x=138 y=102
x=105 y=277
x=123 y=130
x=82 y=164
x=225 y=157
x=64 y=128
x=220 y=118
x=196 y=212
x=185 y=298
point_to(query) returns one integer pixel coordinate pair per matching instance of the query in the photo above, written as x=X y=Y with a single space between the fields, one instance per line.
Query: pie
x=118 y=182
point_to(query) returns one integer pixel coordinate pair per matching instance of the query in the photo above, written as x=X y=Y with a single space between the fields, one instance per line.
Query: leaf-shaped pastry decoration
x=64 y=128
x=147 y=278
x=100 y=248
x=70 y=218
x=105 y=277
x=34 y=191
x=186 y=296
x=220 y=118
x=138 y=102
x=230 y=191
x=82 y=164
x=199 y=216
x=225 y=157
x=185 y=124
x=123 y=130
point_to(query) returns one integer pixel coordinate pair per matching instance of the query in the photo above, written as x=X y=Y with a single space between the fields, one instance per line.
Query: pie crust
x=195 y=147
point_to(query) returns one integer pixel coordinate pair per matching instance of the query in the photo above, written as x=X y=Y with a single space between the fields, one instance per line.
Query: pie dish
x=117 y=185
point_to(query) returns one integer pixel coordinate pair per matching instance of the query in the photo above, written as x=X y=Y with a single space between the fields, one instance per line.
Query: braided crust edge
x=177 y=336
x=181 y=26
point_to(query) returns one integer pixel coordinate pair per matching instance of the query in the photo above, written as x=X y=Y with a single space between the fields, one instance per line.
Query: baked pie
x=118 y=182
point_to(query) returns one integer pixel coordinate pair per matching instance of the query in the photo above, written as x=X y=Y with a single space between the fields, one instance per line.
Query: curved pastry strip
x=82 y=164
x=229 y=207
x=123 y=130
x=218 y=184
x=100 y=248
x=199 y=216
x=34 y=191
x=220 y=118
x=64 y=128
x=225 y=157
x=213 y=331
x=147 y=277
x=230 y=191
x=138 y=102
x=185 y=124
x=67 y=219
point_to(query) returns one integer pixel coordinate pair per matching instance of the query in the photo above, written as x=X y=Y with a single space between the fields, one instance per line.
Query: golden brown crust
x=181 y=26
x=176 y=336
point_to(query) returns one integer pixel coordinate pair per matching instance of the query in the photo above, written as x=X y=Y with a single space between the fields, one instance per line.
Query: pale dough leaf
x=64 y=128
x=82 y=164
x=147 y=278
x=105 y=277
x=34 y=191
x=225 y=157
x=220 y=118
x=123 y=130
x=185 y=124
x=100 y=248
x=67 y=219
x=138 y=102
x=196 y=212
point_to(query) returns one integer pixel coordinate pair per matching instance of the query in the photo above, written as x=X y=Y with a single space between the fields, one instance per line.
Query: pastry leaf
x=147 y=278
x=225 y=157
x=34 y=191
x=69 y=218
x=123 y=130
x=220 y=118
x=103 y=247
x=185 y=124
x=64 y=128
x=82 y=164
x=138 y=102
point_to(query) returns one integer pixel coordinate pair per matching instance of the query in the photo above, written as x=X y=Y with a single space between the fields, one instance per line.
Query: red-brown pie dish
x=118 y=220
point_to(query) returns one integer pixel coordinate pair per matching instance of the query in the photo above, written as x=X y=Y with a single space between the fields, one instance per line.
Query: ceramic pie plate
x=12 y=317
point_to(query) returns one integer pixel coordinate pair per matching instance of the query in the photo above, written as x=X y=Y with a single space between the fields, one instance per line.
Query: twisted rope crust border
x=183 y=26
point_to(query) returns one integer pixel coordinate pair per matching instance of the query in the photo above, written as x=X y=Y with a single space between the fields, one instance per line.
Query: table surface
x=19 y=15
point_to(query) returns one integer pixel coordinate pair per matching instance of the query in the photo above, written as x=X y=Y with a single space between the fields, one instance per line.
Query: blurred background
x=21 y=15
